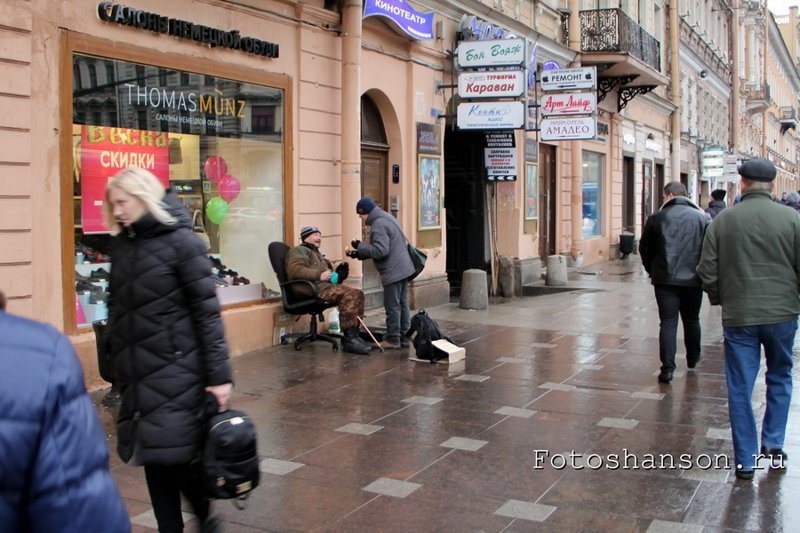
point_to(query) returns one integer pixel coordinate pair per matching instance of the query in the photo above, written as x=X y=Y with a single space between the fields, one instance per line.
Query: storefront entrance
x=465 y=202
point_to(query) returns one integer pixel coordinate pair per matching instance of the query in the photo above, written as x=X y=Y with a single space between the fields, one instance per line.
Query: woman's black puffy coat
x=166 y=338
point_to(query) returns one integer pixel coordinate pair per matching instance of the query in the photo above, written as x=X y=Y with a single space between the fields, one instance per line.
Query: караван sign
x=213 y=37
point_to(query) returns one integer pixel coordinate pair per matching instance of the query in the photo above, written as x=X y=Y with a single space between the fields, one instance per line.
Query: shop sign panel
x=569 y=78
x=490 y=115
x=568 y=129
x=498 y=53
x=410 y=21
x=497 y=84
x=501 y=164
x=561 y=104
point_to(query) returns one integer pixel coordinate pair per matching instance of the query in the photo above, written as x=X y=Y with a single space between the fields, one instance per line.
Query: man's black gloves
x=343 y=269
x=354 y=244
x=351 y=253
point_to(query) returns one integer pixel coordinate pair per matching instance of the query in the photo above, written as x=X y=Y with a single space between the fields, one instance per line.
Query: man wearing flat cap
x=750 y=265
x=305 y=261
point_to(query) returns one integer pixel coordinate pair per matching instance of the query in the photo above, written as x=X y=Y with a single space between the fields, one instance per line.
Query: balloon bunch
x=228 y=187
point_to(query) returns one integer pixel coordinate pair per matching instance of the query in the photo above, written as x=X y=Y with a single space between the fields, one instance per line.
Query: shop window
x=592 y=193
x=219 y=148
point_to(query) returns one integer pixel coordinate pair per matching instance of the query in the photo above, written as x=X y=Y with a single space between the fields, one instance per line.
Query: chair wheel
x=296 y=347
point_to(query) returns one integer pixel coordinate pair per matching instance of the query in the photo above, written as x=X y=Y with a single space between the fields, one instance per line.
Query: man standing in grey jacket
x=387 y=246
x=750 y=265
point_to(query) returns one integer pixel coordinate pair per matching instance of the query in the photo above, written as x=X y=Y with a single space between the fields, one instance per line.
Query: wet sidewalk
x=555 y=422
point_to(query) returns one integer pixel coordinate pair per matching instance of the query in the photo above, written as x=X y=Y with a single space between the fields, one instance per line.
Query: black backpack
x=230 y=456
x=426 y=331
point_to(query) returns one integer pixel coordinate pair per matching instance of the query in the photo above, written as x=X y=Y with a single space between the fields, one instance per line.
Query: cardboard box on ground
x=454 y=353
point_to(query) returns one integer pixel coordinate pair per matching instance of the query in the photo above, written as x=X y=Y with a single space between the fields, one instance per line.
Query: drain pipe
x=675 y=86
x=576 y=147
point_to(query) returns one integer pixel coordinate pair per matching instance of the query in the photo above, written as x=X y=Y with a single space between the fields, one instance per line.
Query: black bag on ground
x=426 y=331
x=230 y=456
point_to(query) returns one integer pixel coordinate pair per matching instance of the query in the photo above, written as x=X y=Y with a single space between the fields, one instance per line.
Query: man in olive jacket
x=750 y=265
x=670 y=250
x=306 y=262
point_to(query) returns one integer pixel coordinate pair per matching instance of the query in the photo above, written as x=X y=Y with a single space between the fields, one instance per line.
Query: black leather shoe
x=665 y=376
x=745 y=474
x=691 y=363
x=777 y=457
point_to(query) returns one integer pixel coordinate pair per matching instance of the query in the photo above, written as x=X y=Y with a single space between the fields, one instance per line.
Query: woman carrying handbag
x=167 y=342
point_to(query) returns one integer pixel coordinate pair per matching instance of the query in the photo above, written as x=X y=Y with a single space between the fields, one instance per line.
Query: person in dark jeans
x=670 y=249
x=387 y=246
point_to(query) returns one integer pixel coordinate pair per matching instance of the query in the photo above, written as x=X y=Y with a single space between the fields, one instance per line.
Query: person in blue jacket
x=54 y=472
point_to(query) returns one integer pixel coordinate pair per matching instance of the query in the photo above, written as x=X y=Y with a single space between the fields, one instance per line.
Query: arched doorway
x=374 y=172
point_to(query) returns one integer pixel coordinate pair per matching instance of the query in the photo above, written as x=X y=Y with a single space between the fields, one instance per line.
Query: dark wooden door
x=373 y=185
x=547 y=201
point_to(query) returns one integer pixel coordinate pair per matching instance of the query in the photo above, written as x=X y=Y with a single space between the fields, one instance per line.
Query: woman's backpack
x=230 y=456
x=426 y=331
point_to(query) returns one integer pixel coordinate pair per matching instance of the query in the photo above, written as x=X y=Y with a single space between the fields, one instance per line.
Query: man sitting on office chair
x=305 y=261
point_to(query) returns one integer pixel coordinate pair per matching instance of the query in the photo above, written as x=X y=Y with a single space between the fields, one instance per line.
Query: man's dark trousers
x=686 y=301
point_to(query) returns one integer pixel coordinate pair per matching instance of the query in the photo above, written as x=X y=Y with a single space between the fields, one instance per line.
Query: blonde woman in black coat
x=166 y=339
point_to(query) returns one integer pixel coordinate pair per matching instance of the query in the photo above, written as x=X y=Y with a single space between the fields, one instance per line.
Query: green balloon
x=216 y=210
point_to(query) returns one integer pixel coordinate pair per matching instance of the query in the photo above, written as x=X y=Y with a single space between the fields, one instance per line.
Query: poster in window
x=429 y=192
x=531 y=191
x=104 y=152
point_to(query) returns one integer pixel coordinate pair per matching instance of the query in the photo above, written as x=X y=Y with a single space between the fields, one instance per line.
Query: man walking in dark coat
x=717 y=203
x=670 y=250
x=387 y=246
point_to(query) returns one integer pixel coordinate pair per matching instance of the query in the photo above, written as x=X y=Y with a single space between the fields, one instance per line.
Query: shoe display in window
x=99 y=274
x=98 y=297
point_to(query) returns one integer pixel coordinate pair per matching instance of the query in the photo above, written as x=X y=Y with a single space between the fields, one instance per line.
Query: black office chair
x=302 y=305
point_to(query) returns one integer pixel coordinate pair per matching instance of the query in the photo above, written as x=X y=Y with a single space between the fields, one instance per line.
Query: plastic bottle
x=333 y=321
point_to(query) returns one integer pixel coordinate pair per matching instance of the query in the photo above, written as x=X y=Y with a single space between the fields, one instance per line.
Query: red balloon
x=229 y=188
x=215 y=168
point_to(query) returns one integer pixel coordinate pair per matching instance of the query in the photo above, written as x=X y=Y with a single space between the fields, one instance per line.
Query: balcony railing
x=758 y=93
x=611 y=30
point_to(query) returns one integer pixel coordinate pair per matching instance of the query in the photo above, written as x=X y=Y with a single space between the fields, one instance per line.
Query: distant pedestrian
x=793 y=201
x=750 y=265
x=670 y=250
x=53 y=453
x=387 y=247
x=717 y=202
x=167 y=341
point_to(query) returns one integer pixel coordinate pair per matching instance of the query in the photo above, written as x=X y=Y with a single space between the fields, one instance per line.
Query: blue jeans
x=395 y=303
x=742 y=361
